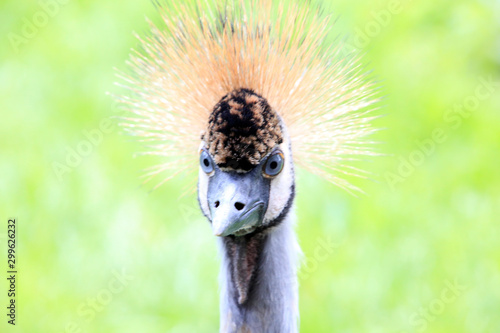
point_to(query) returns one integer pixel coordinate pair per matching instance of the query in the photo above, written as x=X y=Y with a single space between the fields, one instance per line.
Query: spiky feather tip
x=206 y=49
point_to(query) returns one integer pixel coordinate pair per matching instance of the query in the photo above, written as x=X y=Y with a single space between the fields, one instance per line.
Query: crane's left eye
x=274 y=165
x=206 y=162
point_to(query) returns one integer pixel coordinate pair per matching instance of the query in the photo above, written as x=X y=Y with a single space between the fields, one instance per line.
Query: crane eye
x=274 y=165
x=206 y=162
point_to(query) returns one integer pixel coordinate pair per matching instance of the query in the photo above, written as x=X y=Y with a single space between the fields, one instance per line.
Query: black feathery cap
x=242 y=129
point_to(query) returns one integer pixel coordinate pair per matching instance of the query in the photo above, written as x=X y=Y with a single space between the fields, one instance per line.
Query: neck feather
x=270 y=304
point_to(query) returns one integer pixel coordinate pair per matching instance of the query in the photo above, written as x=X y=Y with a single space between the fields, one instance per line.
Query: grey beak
x=226 y=220
x=237 y=202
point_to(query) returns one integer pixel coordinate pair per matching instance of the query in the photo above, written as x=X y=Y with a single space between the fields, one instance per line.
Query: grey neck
x=272 y=301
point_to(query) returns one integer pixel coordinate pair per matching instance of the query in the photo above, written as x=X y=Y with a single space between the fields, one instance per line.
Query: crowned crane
x=243 y=91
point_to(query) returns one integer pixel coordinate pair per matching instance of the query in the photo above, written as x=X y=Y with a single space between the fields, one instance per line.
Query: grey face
x=238 y=201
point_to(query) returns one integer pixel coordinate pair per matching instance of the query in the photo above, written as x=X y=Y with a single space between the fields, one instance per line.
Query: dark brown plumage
x=242 y=129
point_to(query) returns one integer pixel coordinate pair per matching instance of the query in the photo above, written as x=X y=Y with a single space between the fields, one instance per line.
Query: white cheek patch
x=281 y=186
x=203 y=189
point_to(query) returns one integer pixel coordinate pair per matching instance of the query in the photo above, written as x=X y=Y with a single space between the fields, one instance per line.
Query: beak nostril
x=217 y=203
x=239 y=205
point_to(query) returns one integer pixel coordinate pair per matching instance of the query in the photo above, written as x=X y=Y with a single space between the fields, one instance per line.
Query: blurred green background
x=98 y=252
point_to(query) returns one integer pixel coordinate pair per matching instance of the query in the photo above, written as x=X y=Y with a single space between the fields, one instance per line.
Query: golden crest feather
x=205 y=50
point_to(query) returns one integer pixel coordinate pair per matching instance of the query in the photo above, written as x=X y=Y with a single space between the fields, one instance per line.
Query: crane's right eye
x=206 y=162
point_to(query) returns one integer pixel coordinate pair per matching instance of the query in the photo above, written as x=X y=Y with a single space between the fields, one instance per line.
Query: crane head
x=246 y=179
